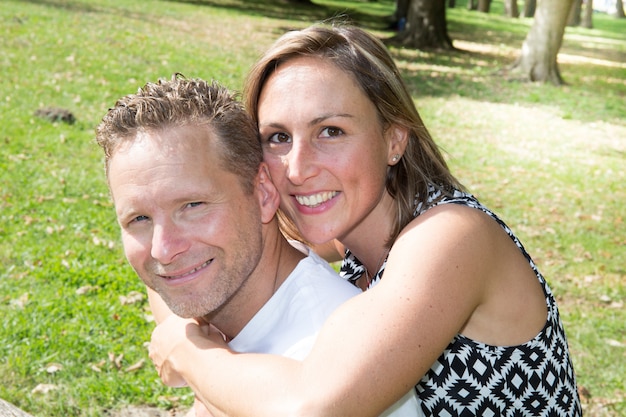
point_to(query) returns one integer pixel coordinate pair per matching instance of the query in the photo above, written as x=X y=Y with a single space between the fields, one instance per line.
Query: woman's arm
x=160 y=310
x=372 y=350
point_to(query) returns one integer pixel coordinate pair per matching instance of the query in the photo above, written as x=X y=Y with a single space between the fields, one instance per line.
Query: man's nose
x=168 y=240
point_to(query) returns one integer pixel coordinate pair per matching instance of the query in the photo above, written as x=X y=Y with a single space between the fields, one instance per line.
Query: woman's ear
x=269 y=200
x=397 y=139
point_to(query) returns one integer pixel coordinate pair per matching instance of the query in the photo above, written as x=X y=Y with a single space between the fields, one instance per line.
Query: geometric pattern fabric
x=474 y=379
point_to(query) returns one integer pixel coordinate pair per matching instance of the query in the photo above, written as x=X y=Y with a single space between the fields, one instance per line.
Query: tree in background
x=538 y=56
x=574 y=13
x=588 y=17
x=510 y=8
x=484 y=6
x=426 y=26
x=529 y=8
x=399 y=15
x=575 y=18
x=619 y=9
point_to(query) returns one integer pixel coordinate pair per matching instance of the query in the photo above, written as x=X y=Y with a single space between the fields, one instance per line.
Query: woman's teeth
x=315 y=199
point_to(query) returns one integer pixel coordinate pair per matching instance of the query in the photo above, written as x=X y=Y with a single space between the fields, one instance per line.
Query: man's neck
x=277 y=262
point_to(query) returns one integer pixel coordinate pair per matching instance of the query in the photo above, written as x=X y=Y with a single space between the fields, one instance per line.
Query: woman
x=463 y=314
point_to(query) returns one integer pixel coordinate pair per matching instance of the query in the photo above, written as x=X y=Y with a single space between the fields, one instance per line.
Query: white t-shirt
x=289 y=322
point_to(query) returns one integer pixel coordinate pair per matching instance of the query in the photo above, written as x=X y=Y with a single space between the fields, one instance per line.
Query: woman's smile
x=315 y=200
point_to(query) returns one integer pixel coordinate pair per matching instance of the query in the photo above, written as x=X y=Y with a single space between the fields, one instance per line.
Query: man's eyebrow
x=126 y=214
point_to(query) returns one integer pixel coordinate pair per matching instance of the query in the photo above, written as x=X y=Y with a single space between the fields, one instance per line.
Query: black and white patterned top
x=474 y=379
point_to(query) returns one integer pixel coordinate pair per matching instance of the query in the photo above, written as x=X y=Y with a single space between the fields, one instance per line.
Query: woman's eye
x=280 y=137
x=331 y=132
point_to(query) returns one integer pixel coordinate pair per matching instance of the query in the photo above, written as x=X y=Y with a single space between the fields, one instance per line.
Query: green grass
x=549 y=160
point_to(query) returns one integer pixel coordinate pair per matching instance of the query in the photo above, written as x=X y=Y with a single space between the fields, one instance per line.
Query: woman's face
x=326 y=150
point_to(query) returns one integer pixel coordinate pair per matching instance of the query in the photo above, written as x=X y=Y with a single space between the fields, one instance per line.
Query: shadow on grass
x=595 y=91
x=75 y=6
x=283 y=9
x=591 y=61
x=593 y=64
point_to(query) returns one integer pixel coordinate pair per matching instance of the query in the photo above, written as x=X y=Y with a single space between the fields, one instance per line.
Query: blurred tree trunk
x=426 y=26
x=472 y=4
x=619 y=9
x=484 y=5
x=402 y=9
x=538 y=56
x=529 y=8
x=452 y=4
x=510 y=8
x=574 y=13
x=588 y=17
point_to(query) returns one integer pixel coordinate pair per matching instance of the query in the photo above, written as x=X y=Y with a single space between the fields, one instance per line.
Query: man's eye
x=279 y=138
x=138 y=219
x=194 y=204
x=330 y=132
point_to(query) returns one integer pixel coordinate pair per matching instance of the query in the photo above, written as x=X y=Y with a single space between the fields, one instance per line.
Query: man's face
x=189 y=230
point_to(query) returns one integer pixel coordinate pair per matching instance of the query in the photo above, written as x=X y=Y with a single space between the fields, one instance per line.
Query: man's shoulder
x=315 y=274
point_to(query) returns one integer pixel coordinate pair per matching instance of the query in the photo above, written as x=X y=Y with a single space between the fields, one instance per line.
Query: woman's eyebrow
x=327 y=116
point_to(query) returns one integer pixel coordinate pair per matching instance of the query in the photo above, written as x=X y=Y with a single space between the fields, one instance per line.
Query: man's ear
x=397 y=138
x=269 y=200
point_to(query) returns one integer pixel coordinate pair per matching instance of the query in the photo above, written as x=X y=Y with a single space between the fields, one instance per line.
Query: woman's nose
x=301 y=162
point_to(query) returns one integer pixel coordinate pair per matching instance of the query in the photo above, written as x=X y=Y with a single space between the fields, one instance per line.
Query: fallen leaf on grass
x=615 y=343
x=53 y=368
x=584 y=393
x=132 y=298
x=44 y=388
x=171 y=398
x=97 y=367
x=18 y=157
x=605 y=299
x=116 y=360
x=87 y=289
x=21 y=301
x=136 y=366
x=106 y=243
x=589 y=279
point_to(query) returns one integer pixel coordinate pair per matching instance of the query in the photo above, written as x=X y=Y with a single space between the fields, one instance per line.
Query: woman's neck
x=368 y=240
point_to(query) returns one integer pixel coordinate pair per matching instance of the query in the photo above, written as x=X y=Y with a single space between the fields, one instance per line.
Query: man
x=197 y=211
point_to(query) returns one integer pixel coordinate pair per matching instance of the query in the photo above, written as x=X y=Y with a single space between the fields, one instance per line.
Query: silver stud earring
x=395 y=158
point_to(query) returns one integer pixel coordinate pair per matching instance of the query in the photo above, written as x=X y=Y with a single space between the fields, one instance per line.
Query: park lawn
x=75 y=321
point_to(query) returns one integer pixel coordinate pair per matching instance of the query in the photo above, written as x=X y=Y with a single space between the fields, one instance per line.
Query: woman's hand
x=169 y=342
x=200 y=409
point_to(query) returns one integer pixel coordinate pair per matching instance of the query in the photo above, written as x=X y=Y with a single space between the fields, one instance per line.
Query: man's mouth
x=315 y=200
x=204 y=265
